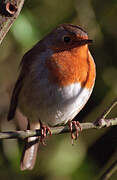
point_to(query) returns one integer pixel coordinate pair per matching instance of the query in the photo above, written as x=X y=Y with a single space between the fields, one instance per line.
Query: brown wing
x=16 y=91
x=14 y=98
x=24 y=65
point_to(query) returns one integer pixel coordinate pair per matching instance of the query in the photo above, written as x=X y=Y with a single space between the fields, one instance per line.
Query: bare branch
x=9 y=10
x=58 y=130
x=106 y=112
x=110 y=171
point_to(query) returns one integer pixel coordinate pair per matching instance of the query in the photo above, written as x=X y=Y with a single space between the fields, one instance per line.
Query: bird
x=56 y=79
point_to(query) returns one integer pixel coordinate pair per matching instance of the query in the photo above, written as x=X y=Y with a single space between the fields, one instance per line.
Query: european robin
x=56 y=80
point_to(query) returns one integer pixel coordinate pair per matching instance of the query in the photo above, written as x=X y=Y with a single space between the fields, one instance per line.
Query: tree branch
x=110 y=171
x=58 y=130
x=9 y=10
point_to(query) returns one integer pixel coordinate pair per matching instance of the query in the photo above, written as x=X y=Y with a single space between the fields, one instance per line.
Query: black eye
x=67 y=39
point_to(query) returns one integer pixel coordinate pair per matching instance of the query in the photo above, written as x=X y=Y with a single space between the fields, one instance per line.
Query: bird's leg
x=44 y=131
x=77 y=126
x=28 y=126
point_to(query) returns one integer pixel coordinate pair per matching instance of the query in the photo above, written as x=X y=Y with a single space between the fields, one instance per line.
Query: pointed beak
x=88 y=41
x=85 y=41
x=81 y=42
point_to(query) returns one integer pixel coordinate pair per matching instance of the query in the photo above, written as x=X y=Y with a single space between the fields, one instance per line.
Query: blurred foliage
x=94 y=149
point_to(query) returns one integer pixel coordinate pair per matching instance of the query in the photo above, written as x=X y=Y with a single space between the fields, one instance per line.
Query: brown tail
x=30 y=151
x=29 y=154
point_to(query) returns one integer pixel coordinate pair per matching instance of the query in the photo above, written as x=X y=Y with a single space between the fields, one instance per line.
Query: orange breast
x=75 y=65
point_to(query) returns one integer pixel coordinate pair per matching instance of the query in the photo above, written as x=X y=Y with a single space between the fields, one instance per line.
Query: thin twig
x=57 y=130
x=109 y=172
x=105 y=113
x=109 y=109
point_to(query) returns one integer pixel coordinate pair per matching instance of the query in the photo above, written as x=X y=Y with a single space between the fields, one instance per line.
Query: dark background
x=95 y=150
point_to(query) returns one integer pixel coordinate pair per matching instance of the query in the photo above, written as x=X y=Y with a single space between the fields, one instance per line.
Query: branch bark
x=109 y=172
x=58 y=130
x=9 y=10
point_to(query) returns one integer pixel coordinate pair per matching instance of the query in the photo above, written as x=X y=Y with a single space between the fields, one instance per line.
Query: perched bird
x=56 y=80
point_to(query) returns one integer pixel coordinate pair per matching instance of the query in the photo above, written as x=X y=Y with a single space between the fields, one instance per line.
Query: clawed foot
x=74 y=135
x=44 y=130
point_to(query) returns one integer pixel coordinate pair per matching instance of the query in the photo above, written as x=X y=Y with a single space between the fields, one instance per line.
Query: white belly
x=64 y=105
x=53 y=105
